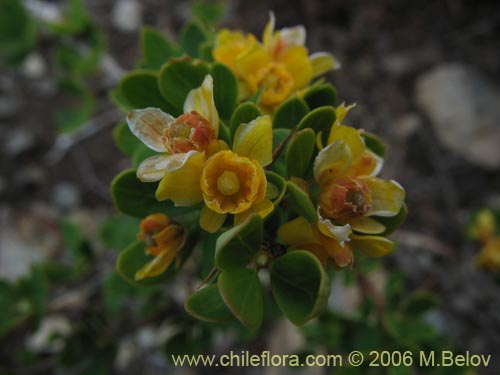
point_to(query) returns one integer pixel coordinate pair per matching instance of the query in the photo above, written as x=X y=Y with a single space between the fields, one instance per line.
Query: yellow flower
x=484 y=226
x=164 y=238
x=489 y=257
x=185 y=141
x=279 y=66
x=233 y=182
x=350 y=193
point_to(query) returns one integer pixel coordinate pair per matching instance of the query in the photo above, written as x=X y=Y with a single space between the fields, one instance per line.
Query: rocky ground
x=425 y=77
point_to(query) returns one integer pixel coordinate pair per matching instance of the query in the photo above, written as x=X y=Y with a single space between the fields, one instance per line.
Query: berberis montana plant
x=238 y=145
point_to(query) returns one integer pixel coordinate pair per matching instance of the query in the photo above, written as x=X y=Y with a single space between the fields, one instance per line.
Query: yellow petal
x=255 y=140
x=211 y=221
x=263 y=208
x=182 y=185
x=322 y=62
x=366 y=225
x=149 y=126
x=202 y=101
x=268 y=35
x=332 y=161
x=342 y=110
x=373 y=246
x=157 y=266
x=387 y=197
x=351 y=138
x=250 y=62
x=153 y=168
x=298 y=65
x=297 y=232
x=369 y=165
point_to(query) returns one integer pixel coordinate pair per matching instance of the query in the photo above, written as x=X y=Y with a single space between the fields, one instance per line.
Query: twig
x=280 y=148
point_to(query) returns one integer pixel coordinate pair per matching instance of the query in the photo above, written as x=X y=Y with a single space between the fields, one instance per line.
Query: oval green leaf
x=300 y=202
x=241 y=291
x=156 y=49
x=124 y=139
x=279 y=183
x=392 y=223
x=178 y=77
x=289 y=114
x=319 y=119
x=192 y=36
x=321 y=95
x=206 y=304
x=225 y=90
x=374 y=143
x=237 y=246
x=243 y=114
x=140 y=90
x=299 y=153
x=300 y=286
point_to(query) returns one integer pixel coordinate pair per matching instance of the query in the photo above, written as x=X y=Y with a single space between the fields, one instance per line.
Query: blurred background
x=425 y=77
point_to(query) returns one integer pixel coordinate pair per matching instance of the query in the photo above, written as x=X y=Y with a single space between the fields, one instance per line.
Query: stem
x=280 y=148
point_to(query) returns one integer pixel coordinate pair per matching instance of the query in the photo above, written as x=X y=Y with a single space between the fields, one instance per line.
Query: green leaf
x=279 y=183
x=178 y=77
x=321 y=95
x=79 y=107
x=374 y=143
x=8 y=310
x=243 y=114
x=225 y=90
x=418 y=303
x=118 y=99
x=156 y=49
x=300 y=286
x=289 y=114
x=319 y=119
x=279 y=165
x=136 y=198
x=300 y=202
x=237 y=246
x=124 y=139
x=140 y=89
x=207 y=305
x=241 y=291
x=299 y=153
x=192 y=36
x=119 y=231
x=208 y=13
x=133 y=258
x=392 y=223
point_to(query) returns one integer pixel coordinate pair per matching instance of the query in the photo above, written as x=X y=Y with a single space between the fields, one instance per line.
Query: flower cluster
x=251 y=156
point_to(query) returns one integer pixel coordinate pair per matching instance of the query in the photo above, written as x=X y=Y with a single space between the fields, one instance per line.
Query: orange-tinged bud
x=189 y=131
x=160 y=233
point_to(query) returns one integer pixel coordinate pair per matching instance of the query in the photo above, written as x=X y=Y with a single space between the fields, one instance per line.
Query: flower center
x=228 y=183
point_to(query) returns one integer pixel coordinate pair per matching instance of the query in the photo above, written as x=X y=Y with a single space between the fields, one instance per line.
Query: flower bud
x=344 y=197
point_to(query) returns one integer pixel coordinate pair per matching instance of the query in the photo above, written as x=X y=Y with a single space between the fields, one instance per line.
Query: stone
x=127 y=15
x=66 y=196
x=464 y=109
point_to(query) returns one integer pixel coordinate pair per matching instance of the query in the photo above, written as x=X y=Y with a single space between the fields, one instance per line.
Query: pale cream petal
x=293 y=36
x=323 y=62
x=202 y=101
x=149 y=126
x=153 y=168
x=339 y=232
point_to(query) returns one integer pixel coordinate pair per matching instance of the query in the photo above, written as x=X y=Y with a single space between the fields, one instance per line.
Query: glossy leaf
x=300 y=202
x=418 y=303
x=392 y=223
x=208 y=13
x=374 y=143
x=141 y=153
x=299 y=153
x=225 y=90
x=140 y=89
x=156 y=49
x=237 y=246
x=192 y=36
x=241 y=291
x=178 y=77
x=300 y=286
x=243 y=114
x=119 y=231
x=135 y=198
x=289 y=114
x=321 y=95
x=319 y=119
x=124 y=139
x=206 y=304
x=279 y=183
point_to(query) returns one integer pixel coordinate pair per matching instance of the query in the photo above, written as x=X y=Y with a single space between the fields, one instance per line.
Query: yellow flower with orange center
x=350 y=196
x=279 y=66
x=164 y=239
